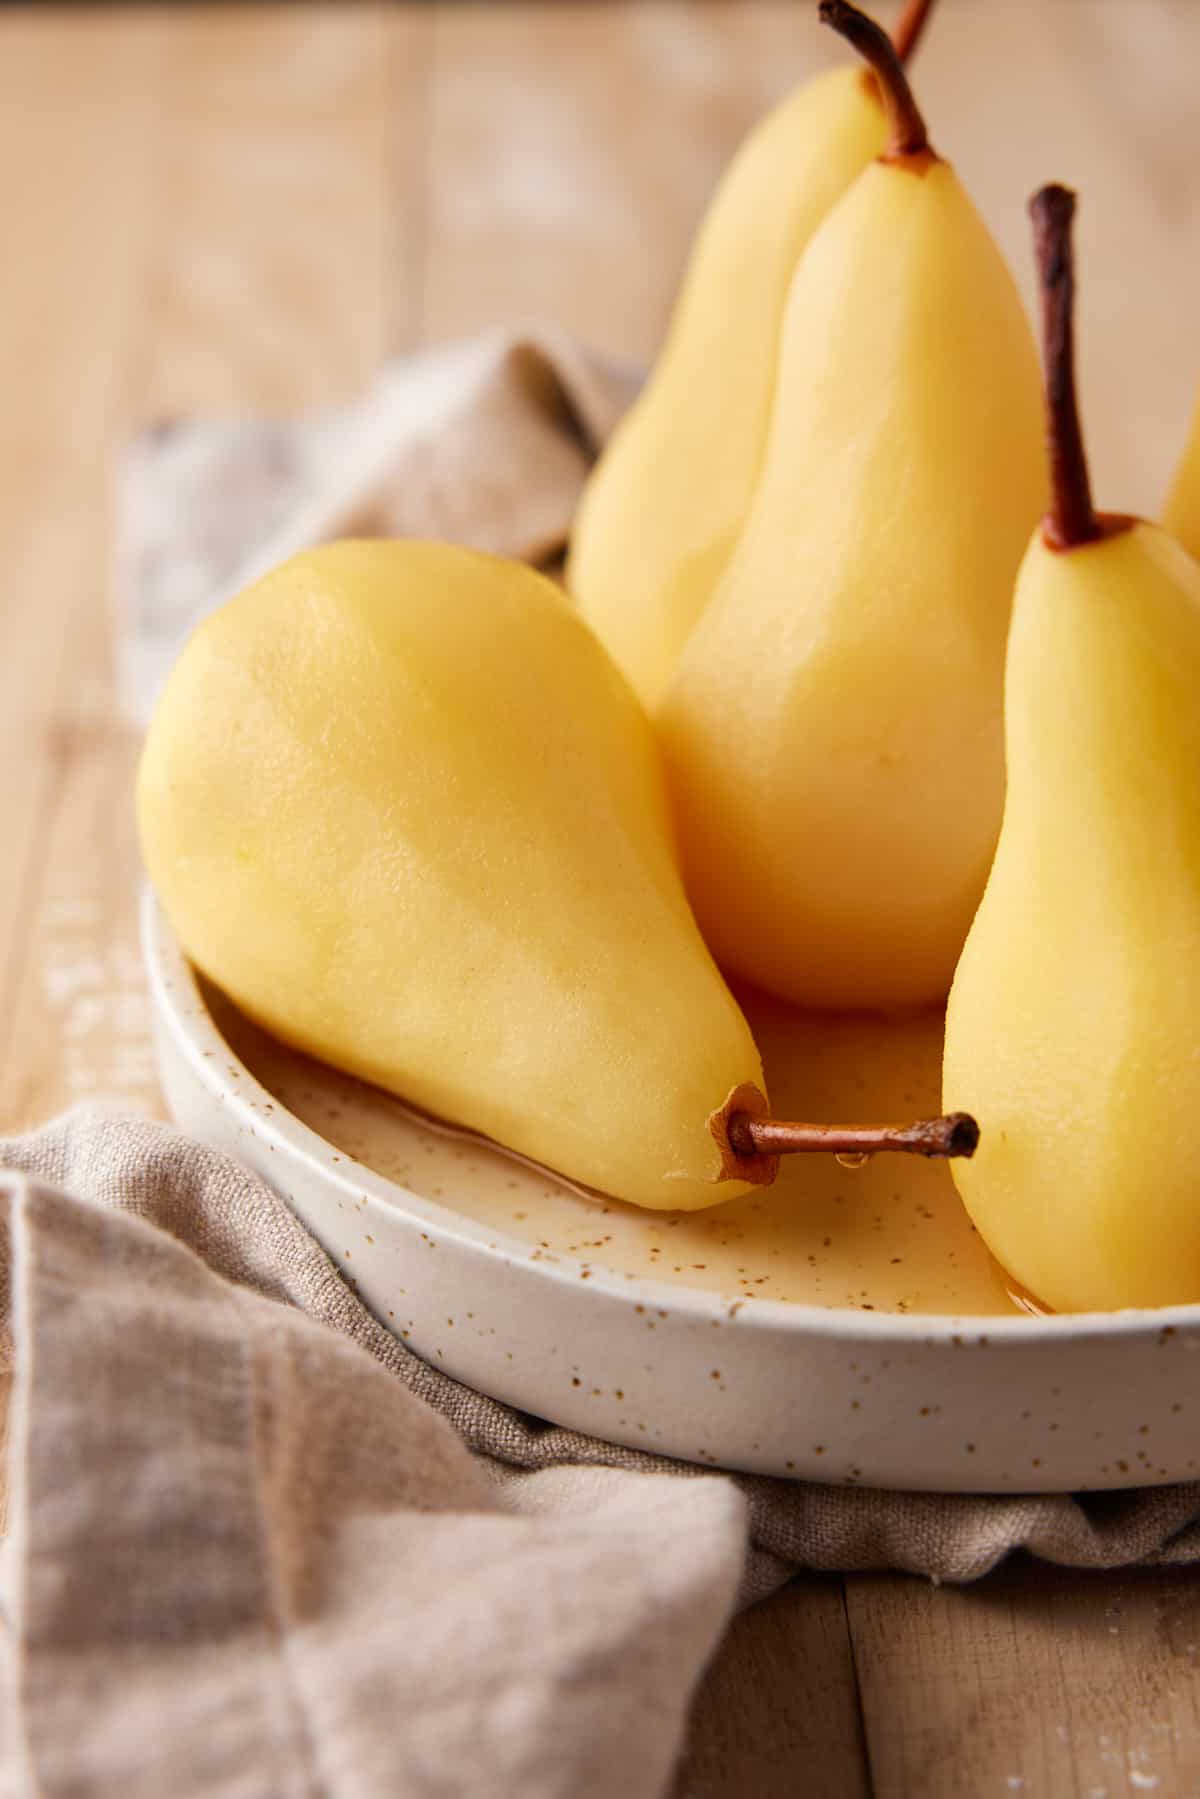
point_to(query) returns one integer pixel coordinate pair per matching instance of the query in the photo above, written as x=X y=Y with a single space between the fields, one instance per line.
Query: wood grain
x=1051 y=1684
x=572 y=149
x=241 y=217
x=777 y=1713
x=232 y=208
x=272 y=280
x=79 y=208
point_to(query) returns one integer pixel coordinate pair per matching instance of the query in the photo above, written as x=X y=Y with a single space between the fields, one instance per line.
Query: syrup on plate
x=890 y=1235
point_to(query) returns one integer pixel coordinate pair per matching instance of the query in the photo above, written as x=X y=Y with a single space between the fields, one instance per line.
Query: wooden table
x=246 y=209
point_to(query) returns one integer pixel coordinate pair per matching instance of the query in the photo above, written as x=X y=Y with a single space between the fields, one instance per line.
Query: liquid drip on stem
x=908 y=136
x=1071 y=520
x=909 y=27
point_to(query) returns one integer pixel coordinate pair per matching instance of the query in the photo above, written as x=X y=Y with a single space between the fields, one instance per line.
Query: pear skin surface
x=1073 y=1027
x=665 y=503
x=399 y=804
x=833 y=732
x=1182 y=516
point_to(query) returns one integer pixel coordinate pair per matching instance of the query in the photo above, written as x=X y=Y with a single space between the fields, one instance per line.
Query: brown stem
x=954 y=1135
x=909 y=27
x=907 y=127
x=751 y=1141
x=1071 y=519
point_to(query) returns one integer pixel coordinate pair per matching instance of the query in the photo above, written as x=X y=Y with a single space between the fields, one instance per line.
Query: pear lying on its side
x=1074 y=1021
x=398 y=803
x=833 y=731
x=663 y=508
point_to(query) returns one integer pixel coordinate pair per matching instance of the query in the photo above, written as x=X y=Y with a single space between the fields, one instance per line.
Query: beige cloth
x=257 y=1546
x=250 y=1561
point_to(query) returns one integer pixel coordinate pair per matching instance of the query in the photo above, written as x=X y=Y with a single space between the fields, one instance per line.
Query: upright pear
x=399 y=804
x=665 y=504
x=833 y=730
x=1182 y=517
x=1074 y=1020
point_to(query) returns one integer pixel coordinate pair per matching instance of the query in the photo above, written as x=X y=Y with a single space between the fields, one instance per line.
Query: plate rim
x=196 y=1035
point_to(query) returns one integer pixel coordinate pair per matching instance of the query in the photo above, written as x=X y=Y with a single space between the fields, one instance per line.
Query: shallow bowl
x=809 y=1331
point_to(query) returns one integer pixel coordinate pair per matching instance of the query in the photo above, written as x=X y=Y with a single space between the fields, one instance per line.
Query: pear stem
x=1071 y=519
x=907 y=127
x=957 y=1134
x=909 y=27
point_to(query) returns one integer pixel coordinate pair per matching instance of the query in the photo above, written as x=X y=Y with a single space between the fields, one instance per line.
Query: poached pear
x=1074 y=1019
x=833 y=730
x=403 y=809
x=667 y=499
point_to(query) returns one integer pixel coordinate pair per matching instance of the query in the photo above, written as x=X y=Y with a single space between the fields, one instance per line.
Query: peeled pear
x=1182 y=517
x=1074 y=1020
x=833 y=730
x=667 y=499
x=401 y=807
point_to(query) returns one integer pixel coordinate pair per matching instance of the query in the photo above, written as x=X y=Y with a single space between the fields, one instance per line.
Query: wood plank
x=777 y=1712
x=77 y=203
x=573 y=147
x=1042 y=1681
x=261 y=277
x=271 y=284
x=410 y=63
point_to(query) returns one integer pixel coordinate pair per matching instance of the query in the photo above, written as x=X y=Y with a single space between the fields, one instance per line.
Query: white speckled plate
x=843 y=1325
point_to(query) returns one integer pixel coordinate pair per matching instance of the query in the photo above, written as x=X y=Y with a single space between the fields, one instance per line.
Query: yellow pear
x=1074 y=1020
x=401 y=807
x=665 y=503
x=399 y=804
x=833 y=731
x=1182 y=517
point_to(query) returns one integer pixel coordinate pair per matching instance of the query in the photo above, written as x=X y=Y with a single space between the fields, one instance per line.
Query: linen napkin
x=259 y=1547
x=249 y=1560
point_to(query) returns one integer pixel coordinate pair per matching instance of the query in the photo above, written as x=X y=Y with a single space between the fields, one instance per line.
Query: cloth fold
x=249 y=1560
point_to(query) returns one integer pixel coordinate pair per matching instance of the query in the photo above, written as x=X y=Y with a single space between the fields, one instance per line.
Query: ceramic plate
x=845 y=1325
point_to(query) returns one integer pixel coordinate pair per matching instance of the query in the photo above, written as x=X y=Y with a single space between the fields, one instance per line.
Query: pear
x=1074 y=1019
x=666 y=501
x=402 y=808
x=1182 y=517
x=833 y=731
